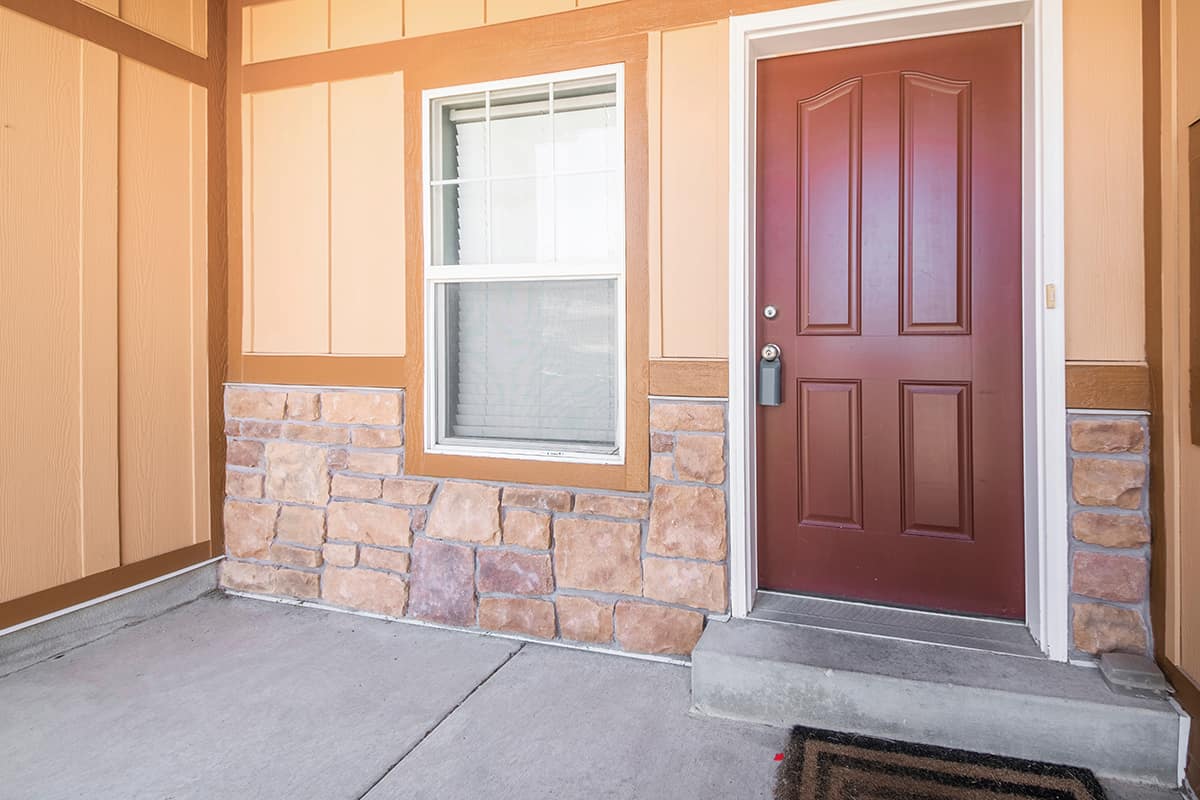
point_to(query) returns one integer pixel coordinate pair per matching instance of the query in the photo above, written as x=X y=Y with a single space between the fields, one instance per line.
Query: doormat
x=824 y=765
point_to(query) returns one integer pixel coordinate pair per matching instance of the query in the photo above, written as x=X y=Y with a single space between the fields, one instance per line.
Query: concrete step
x=994 y=703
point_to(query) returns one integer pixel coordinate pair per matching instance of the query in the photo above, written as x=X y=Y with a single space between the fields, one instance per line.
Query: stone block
x=408 y=492
x=541 y=499
x=509 y=572
x=700 y=458
x=247 y=403
x=443 y=582
x=297 y=472
x=582 y=619
x=598 y=555
x=266 y=579
x=687 y=417
x=1121 y=578
x=610 y=505
x=365 y=590
x=249 y=528
x=1098 y=628
x=661 y=630
x=1110 y=530
x=685 y=583
x=1108 y=482
x=301 y=525
x=517 y=615
x=530 y=529
x=361 y=408
x=1107 y=436
x=369 y=523
x=469 y=512
x=688 y=522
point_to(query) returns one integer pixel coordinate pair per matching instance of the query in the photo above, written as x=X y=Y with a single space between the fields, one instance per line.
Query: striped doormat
x=824 y=765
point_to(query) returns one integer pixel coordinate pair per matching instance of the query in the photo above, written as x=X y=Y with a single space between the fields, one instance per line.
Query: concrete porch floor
x=237 y=698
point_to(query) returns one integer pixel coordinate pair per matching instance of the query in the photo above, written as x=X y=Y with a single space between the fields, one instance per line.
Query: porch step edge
x=1008 y=705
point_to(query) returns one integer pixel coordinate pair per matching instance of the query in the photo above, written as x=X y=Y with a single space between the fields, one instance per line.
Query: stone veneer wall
x=1110 y=533
x=318 y=508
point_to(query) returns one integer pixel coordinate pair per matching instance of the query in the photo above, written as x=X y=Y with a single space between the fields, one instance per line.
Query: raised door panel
x=367 y=216
x=935 y=232
x=830 y=458
x=358 y=22
x=936 y=457
x=40 y=218
x=162 y=321
x=829 y=160
x=286 y=280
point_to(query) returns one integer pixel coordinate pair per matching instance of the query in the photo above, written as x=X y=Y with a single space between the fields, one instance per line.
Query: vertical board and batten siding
x=103 y=274
x=323 y=240
x=1105 y=230
x=181 y=22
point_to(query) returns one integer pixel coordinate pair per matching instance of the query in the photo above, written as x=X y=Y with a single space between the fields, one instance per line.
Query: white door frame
x=846 y=23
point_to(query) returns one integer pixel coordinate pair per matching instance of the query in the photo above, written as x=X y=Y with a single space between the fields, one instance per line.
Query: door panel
x=889 y=239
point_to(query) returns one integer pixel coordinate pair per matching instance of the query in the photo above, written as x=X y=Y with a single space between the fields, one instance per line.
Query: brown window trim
x=689 y=377
x=1116 y=387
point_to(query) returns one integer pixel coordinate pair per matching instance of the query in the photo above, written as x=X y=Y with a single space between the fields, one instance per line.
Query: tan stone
x=611 y=505
x=375 y=558
x=365 y=590
x=294 y=556
x=249 y=528
x=1108 y=482
x=662 y=442
x=688 y=522
x=469 y=512
x=1110 y=577
x=248 y=403
x=582 y=619
x=301 y=525
x=510 y=572
x=265 y=579
x=597 y=555
x=241 y=453
x=529 y=529
x=700 y=458
x=369 y=523
x=315 y=433
x=687 y=417
x=304 y=406
x=662 y=467
x=359 y=488
x=243 y=484
x=1107 y=436
x=443 y=582
x=541 y=499
x=685 y=583
x=408 y=492
x=517 y=615
x=297 y=472
x=373 y=463
x=377 y=437
x=361 y=408
x=340 y=555
x=337 y=458
x=1110 y=530
x=1097 y=628
x=257 y=429
x=646 y=628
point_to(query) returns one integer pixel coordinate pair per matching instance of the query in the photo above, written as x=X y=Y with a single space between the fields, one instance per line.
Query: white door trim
x=848 y=23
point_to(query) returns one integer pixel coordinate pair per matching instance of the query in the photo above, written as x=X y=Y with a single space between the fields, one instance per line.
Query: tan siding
x=505 y=10
x=1104 y=289
x=422 y=17
x=184 y=22
x=40 y=144
x=286 y=28
x=287 y=259
x=690 y=317
x=355 y=22
x=367 y=216
x=162 y=256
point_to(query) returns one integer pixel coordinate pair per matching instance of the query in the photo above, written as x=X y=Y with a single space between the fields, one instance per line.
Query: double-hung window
x=525 y=265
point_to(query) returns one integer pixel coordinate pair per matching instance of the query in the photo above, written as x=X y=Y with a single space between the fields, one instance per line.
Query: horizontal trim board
x=121 y=37
x=1124 y=387
x=709 y=378
x=57 y=598
x=358 y=371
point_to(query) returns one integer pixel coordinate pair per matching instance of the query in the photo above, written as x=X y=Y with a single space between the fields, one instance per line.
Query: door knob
x=770 y=377
x=770 y=352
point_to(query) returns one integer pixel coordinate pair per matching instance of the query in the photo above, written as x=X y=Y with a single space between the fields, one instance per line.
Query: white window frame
x=435 y=275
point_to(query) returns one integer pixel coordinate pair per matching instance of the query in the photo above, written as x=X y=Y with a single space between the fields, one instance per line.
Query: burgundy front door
x=889 y=243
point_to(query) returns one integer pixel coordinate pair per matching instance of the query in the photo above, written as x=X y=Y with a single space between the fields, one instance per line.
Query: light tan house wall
x=104 y=269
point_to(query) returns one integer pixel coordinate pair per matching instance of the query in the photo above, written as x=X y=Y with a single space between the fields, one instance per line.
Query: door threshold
x=930 y=627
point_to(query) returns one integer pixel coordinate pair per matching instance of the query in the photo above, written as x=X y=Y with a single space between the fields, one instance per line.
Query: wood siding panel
x=423 y=17
x=691 y=318
x=355 y=22
x=183 y=22
x=40 y=256
x=367 y=216
x=1104 y=285
x=162 y=269
x=286 y=262
x=507 y=10
x=283 y=29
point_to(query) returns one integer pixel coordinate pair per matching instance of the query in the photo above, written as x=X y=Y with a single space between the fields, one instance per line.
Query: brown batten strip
x=708 y=378
x=233 y=188
x=32 y=606
x=218 y=269
x=108 y=31
x=377 y=371
x=1117 y=387
x=562 y=30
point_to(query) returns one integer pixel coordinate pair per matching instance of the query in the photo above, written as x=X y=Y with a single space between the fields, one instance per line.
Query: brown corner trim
x=708 y=378
x=125 y=39
x=1124 y=387
x=57 y=598
x=384 y=372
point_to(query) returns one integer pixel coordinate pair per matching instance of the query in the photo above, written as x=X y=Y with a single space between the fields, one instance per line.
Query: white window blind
x=527 y=209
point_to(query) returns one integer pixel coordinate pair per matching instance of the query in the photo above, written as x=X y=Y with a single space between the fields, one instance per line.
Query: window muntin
x=525 y=257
